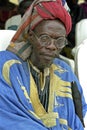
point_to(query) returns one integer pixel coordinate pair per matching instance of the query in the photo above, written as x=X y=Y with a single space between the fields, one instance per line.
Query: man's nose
x=52 y=45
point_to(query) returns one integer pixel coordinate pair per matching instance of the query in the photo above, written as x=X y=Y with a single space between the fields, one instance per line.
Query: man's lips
x=48 y=55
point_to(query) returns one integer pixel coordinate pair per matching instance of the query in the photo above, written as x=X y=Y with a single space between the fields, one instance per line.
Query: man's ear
x=30 y=34
x=31 y=37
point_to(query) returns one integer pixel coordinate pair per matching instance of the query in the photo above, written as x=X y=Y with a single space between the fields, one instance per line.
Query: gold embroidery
x=69 y=129
x=38 y=108
x=58 y=87
x=25 y=93
x=6 y=69
x=64 y=122
x=41 y=75
x=49 y=119
x=31 y=112
x=61 y=88
x=58 y=68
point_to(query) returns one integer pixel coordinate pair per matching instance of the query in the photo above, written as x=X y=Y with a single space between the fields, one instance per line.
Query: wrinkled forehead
x=50 y=25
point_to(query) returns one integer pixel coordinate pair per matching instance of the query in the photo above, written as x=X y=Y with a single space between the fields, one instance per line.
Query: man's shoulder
x=62 y=69
x=61 y=63
x=6 y=56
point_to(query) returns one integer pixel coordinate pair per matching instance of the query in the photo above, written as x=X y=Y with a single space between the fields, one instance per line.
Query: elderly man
x=36 y=86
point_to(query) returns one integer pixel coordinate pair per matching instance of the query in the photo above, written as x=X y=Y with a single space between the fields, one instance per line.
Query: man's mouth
x=51 y=55
x=47 y=56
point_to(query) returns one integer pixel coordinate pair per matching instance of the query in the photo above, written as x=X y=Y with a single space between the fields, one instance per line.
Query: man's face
x=46 y=38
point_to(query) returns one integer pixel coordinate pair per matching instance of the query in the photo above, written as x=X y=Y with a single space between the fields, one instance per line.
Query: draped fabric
x=20 y=107
x=38 y=11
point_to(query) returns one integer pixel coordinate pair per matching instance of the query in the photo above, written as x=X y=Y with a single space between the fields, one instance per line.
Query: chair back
x=81 y=69
x=81 y=65
x=69 y=61
x=81 y=31
x=5 y=38
x=13 y=22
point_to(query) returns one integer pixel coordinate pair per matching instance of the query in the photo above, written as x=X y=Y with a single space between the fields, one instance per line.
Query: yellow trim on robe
x=6 y=69
x=48 y=119
x=42 y=75
x=69 y=129
x=25 y=92
x=63 y=121
x=38 y=107
x=57 y=88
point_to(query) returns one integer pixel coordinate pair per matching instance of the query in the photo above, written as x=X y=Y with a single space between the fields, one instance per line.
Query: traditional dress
x=20 y=106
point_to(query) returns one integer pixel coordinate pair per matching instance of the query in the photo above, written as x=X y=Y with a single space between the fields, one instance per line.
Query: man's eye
x=44 y=38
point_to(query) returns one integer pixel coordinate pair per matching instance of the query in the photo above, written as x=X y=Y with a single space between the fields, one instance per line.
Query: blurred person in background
x=77 y=13
x=7 y=10
x=84 y=6
x=13 y=22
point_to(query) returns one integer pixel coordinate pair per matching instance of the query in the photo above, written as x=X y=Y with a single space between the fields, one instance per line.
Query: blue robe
x=20 y=107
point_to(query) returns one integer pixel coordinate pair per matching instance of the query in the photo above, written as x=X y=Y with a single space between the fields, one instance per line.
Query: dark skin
x=43 y=56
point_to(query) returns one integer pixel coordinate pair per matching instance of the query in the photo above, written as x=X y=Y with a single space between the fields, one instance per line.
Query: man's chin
x=43 y=66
